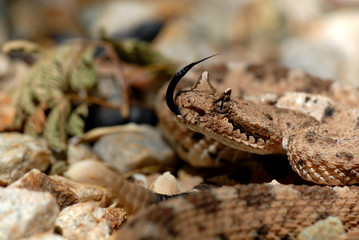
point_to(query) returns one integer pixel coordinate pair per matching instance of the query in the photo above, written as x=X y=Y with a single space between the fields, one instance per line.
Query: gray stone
x=135 y=147
x=25 y=213
x=77 y=152
x=19 y=154
x=83 y=221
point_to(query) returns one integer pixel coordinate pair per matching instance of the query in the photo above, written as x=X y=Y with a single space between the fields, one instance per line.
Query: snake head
x=202 y=100
x=237 y=123
x=204 y=109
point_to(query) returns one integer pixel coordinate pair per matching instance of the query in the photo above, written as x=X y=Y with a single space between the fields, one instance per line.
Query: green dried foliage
x=55 y=128
x=82 y=75
x=75 y=123
x=43 y=103
x=137 y=52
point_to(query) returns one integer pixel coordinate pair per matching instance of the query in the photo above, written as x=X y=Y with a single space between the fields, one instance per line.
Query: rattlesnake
x=321 y=149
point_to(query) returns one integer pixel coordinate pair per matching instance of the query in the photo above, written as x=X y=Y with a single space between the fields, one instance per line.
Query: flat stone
x=19 y=154
x=83 y=221
x=87 y=192
x=38 y=181
x=92 y=172
x=135 y=147
x=25 y=213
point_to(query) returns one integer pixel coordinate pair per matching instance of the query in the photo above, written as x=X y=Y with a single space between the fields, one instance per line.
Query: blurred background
x=318 y=36
x=105 y=61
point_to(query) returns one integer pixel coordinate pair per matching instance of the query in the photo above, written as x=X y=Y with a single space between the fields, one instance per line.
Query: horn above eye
x=222 y=104
x=173 y=83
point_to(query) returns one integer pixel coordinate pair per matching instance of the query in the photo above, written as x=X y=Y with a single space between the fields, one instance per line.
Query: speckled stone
x=19 y=154
x=116 y=217
x=83 y=221
x=135 y=147
x=25 y=213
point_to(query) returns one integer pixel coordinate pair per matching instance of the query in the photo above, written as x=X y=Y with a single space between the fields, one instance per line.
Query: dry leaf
x=55 y=129
x=21 y=45
x=75 y=123
x=83 y=75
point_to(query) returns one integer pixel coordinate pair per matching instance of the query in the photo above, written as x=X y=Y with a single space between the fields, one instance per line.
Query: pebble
x=165 y=184
x=330 y=228
x=38 y=181
x=71 y=222
x=19 y=154
x=135 y=147
x=21 y=208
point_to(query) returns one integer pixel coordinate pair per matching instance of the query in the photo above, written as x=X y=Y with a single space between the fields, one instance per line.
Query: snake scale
x=304 y=117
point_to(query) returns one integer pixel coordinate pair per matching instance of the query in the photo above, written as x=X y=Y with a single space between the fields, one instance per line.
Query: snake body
x=213 y=125
x=254 y=211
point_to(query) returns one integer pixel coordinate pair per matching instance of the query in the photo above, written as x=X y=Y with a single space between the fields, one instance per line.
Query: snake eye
x=222 y=104
x=221 y=107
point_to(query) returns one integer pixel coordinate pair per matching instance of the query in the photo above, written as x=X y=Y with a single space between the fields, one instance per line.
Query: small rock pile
x=37 y=204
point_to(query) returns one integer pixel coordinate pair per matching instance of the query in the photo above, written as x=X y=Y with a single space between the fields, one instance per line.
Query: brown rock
x=7 y=112
x=116 y=217
x=87 y=192
x=38 y=181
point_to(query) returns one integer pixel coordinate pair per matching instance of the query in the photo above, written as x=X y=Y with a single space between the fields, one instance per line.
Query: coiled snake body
x=315 y=126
